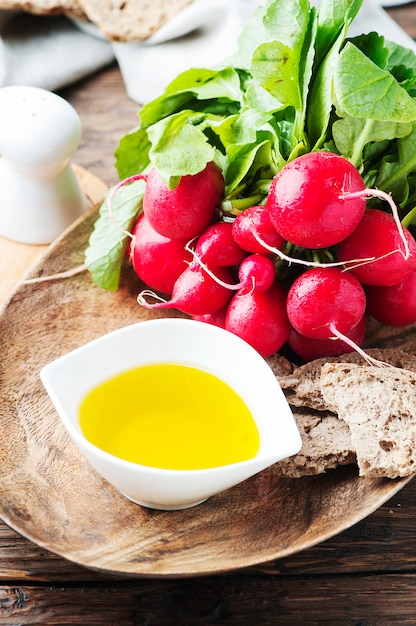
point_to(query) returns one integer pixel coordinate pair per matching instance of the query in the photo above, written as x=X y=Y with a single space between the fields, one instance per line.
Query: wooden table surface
x=363 y=576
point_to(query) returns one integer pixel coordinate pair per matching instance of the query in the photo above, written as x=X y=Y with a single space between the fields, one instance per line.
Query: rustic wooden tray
x=49 y=494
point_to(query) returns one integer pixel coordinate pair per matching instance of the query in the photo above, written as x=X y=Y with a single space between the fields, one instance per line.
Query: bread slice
x=45 y=7
x=132 y=19
x=302 y=387
x=279 y=365
x=326 y=444
x=379 y=406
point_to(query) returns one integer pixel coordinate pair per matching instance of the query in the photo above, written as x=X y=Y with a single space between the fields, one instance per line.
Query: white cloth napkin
x=51 y=52
x=202 y=35
x=47 y=52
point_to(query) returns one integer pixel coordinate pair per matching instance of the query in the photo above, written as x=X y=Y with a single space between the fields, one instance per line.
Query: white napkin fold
x=51 y=52
x=48 y=52
x=202 y=35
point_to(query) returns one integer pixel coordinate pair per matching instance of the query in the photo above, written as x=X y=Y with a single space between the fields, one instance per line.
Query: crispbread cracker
x=326 y=444
x=279 y=365
x=132 y=19
x=302 y=387
x=379 y=406
x=45 y=7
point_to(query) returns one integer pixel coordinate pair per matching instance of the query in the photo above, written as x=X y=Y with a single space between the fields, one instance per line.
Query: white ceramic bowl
x=69 y=378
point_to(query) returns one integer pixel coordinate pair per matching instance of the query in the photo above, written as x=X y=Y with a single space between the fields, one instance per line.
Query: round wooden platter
x=49 y=493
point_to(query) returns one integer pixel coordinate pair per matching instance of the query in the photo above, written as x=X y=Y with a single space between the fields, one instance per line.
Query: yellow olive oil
x=169 y=416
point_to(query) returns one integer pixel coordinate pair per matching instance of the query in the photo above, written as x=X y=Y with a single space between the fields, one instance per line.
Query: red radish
x=194 y=292
x=325 y=302
x=157 y=260
x=309 y=203
x=256 y=220
x=256 y=272
x=260 y=318
x=216 y=319
x=376 y=236
x=308 y=348
x=216 y=246
x=183 y=212
x=394 y=305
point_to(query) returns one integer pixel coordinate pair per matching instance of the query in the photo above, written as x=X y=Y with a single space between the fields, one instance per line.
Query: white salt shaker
x=39 y=193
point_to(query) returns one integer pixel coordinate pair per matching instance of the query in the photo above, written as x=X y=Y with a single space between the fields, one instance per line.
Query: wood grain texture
x=405 y=16
x=50 y=494
x=106 y=115
x=315 y=601
x=382 y=542
x=364 y=575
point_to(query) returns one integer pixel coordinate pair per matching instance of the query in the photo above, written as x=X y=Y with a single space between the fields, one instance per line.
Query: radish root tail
x=66 y=274
x=210 y=273
x=382 y=195
x=297 y=261
x=147 y=293
x=369 y=359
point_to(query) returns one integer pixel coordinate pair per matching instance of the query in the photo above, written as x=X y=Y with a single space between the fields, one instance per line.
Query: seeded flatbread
x=302 y=387
x=45 y=7
x=132 y=19
x=379 y=406
x=326 y=444
x=279 y=365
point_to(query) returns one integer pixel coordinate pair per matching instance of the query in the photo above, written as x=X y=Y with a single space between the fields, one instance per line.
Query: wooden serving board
x=49 y=493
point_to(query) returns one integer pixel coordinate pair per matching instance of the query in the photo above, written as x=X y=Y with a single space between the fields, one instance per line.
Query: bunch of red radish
x=224 y=271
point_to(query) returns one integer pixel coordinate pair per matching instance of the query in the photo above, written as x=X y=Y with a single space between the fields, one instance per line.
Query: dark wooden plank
x=106 y=114
x=370 y=600
x=405 y=16
x=383 y=542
